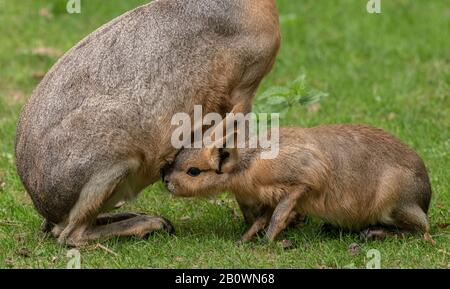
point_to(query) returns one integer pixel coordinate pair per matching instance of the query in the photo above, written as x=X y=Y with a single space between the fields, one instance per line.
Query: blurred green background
x=391 y=70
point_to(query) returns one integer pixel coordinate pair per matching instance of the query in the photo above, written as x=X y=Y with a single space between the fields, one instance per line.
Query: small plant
x=281 y=99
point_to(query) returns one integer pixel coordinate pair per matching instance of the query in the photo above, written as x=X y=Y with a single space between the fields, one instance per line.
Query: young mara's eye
x=194 y=172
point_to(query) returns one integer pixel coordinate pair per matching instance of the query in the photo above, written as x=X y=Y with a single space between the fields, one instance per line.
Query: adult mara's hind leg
x=103 y=219
x=83 y=226
x=108 y=218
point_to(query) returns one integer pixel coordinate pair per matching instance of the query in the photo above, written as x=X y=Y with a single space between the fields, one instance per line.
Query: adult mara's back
x=96 y=130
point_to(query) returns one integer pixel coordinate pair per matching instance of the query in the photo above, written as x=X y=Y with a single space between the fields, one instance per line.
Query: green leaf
x=282 y=98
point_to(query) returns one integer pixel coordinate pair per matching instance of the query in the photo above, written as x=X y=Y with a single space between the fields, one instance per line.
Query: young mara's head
x=200 y=172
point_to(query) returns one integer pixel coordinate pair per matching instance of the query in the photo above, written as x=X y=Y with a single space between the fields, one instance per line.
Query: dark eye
x=194 y=172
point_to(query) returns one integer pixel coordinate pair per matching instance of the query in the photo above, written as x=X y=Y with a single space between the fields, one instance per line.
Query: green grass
x=390 y=70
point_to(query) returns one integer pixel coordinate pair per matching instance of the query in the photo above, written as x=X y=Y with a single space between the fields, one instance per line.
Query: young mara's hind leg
x=81 y=225
x=411 y=219
x=378 y=233
x=405 y=219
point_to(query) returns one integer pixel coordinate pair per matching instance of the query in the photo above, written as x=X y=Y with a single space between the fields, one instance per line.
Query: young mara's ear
x=229 y=160
x=223 y=160
x=223 y=155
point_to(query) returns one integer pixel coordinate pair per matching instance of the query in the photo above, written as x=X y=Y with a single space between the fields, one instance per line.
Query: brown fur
x=351 y=176
x=96 y=131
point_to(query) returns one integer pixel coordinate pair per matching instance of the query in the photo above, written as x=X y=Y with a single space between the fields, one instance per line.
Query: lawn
x=390 y=70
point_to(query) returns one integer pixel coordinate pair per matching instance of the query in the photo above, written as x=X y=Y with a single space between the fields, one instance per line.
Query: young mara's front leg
x=259 y=224
x=282 y=212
